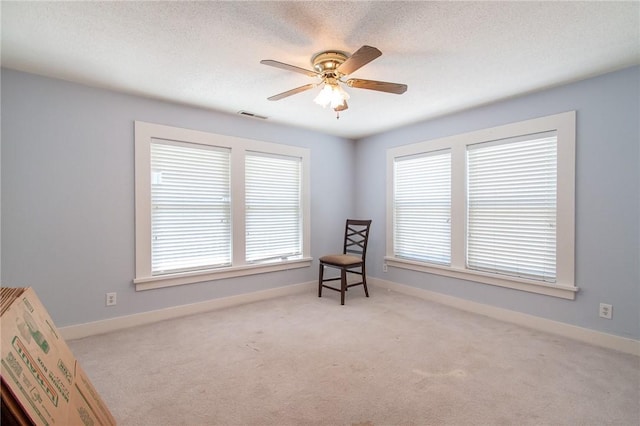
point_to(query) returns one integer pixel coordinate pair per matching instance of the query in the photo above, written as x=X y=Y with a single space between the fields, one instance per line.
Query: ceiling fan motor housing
x=328 y=61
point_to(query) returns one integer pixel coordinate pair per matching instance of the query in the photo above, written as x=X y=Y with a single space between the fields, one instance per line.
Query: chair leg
x=320 y=280
x=343 y=286
x=364 y=282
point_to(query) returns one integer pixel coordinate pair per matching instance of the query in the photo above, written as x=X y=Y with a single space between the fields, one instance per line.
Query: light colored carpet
x=387 y=360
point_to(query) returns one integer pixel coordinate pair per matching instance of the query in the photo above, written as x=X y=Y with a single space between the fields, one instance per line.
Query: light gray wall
x=68 y=195
x=607 y=200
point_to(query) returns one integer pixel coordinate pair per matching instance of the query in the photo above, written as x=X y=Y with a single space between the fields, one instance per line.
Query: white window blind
x=190 y=207
x=273 y=203
x=422 y=207
x=512 y=187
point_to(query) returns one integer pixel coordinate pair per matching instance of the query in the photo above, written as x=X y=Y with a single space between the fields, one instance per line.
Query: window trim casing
x=565 y=126
x=143 y=134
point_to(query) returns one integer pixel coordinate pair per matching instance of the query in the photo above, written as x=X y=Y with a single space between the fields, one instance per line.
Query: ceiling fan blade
x=288 y=67
x=360 y=58
x=291 y=92
x=380 y=86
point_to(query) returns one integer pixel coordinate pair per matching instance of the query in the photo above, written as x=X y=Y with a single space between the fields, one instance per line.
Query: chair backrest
x=356 y=237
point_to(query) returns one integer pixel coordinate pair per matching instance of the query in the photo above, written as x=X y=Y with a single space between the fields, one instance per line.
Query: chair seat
x=341 y=259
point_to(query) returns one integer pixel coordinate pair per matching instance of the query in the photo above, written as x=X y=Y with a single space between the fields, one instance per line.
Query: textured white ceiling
x=452 y=55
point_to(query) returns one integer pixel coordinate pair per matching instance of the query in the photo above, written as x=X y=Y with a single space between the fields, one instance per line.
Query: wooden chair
x=352 y=259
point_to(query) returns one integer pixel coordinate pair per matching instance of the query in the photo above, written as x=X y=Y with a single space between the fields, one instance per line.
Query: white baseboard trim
x=586 y=335
x=113 y=324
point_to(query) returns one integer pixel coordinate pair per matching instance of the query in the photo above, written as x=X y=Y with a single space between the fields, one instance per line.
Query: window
x=494 y=206
x=211 y=206
x=273 y=208
x=511 y=216
x=190 y=207
x=422 y=207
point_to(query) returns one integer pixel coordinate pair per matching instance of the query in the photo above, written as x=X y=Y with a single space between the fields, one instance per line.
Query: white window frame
x=144 y=133
x=564 y=125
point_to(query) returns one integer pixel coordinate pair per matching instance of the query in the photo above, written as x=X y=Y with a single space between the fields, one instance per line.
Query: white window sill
x=169 y=280
x=557 y=290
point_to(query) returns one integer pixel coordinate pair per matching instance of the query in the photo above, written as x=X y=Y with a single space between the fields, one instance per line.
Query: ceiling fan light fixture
x=332 y=94
x=343 y=96
x=324 y=97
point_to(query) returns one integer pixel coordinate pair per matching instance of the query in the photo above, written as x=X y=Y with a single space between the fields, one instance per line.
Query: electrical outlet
x=111 y=299
x=606 y=310
x=384 y=267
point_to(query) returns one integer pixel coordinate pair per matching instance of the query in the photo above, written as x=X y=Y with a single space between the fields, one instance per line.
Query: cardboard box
x=40 y=371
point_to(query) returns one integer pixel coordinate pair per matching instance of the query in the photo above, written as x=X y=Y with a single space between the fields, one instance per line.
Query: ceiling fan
x=330 y=67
